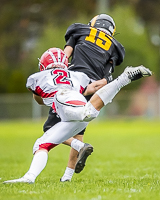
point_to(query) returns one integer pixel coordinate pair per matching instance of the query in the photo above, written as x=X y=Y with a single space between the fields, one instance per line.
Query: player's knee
x=41 y=146
x=89 y=112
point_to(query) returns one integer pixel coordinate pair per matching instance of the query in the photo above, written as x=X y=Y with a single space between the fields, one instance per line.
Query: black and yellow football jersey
x=95 y=53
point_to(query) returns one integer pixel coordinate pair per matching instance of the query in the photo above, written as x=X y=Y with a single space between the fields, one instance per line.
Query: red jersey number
x=61 y=77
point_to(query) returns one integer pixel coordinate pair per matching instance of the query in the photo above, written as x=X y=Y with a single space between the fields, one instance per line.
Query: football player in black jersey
x=95 y=52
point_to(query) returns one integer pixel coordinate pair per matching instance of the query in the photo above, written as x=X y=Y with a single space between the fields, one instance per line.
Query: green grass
x=125 y=163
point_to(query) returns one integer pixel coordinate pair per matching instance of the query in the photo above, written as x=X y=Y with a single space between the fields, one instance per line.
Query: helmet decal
x=114 y=31
x=52 y=56
x=64 y=58
x=93 y=20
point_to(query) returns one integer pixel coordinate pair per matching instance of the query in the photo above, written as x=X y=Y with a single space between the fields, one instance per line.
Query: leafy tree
x=28 y=28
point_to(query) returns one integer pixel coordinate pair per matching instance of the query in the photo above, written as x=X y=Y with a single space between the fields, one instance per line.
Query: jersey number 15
x=101 y=40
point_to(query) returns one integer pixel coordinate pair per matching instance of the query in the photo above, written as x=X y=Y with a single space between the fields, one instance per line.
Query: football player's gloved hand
x=109 y=78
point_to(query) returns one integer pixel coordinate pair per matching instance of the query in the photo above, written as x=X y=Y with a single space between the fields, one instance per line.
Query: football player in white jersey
x=62 y=89
x=95 y=52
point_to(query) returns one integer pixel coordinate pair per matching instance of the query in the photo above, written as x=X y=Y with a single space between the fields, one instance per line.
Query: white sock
x=77 y=144
x=67 y=174
x=123 y=80
x=109 y=91
x=38 y=164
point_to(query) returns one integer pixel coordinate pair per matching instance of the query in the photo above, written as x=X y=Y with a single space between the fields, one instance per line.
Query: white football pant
x=72 y=106
x=74 y=112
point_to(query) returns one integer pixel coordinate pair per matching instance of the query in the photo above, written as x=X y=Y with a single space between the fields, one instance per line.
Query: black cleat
x=82 y=157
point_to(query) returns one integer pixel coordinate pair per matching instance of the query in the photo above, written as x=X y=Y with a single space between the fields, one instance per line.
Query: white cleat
x=65 y=179
x=135 y=73
x=19 y=180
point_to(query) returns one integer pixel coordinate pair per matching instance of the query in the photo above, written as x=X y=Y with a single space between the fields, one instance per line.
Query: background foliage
x=28 y=28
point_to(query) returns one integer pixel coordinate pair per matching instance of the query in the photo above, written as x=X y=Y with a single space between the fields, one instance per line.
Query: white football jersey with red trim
x=46 y=83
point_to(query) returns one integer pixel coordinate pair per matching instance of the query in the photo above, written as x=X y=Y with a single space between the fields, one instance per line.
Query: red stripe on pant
x=76 y=102
x=47 y=146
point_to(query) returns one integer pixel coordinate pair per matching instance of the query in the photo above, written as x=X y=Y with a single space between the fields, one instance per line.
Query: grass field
x=125 y=163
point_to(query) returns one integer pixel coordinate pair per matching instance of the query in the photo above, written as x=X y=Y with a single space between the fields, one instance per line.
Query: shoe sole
x=81 y=162
x=13 y=182
x=67 y=180
x=147 y=72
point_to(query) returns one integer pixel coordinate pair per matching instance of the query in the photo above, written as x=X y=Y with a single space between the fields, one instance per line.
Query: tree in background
x=28 y=28
x=21 y=24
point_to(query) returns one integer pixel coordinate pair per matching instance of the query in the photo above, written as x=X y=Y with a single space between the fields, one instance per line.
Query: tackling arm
x=38 y=99
x=68 y=51
x=93 y=87
x=70 y=44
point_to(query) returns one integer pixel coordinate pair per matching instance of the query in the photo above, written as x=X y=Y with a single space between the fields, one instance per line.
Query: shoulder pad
x=121 y=51
x=73 y=29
